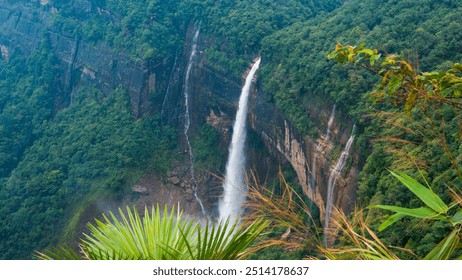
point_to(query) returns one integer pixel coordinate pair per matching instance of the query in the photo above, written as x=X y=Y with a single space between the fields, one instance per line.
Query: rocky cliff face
x=304 y=153
x=24 y=27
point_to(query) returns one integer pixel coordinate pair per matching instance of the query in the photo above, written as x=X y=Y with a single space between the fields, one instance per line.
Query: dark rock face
x=24 y=27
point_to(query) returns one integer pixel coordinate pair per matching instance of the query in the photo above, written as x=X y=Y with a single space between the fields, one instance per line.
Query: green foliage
x=431 y=95
x=91 y=146
x=144 y=29
x=239 y=27
x=424 y=130
x=401 y=82
x=436 y=210
x=161 y=235
x=207 y=152
x=27 y=90
x=297 y=75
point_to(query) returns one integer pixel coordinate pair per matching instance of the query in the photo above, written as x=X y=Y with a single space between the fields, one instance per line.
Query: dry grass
x=287 y=210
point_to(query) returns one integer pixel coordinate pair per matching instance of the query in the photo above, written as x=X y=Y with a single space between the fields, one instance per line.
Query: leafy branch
x=401 y=82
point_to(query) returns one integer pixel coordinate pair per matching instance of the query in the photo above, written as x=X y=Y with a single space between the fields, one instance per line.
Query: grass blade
x=446 y=247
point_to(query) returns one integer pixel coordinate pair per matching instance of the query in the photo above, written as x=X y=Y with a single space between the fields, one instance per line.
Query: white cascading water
x=319 y=149
x=187 y=121
x=334 y=175
x=234 y=188
x=330 y=123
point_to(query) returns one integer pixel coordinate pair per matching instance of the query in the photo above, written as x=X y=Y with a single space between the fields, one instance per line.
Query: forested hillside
x=427 y=33
x=69 y=134
x=55 y=164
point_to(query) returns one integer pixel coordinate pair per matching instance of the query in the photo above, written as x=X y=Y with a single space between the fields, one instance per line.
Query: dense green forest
x=59 y=154
x=55 y=163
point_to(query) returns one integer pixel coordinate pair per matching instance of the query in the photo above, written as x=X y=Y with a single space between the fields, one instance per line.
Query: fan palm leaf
x=161 y=235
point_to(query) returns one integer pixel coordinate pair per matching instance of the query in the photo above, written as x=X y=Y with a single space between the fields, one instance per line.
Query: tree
x=402 y=83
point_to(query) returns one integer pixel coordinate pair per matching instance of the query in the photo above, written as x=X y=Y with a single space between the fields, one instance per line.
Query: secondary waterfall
x=334 y=175
x=330 y=123
x=234 y=188
x=187 y=121
x=319 y=148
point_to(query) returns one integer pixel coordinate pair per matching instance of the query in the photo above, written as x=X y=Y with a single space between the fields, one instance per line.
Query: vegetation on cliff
x=54 y=164
x=298 y=75
x=424 y=97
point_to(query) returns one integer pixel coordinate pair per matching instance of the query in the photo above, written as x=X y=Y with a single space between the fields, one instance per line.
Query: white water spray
x=187 y=121
x=334 y=175
x=234 y=186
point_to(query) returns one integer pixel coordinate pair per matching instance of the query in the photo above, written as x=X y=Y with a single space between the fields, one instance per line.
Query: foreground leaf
x=61 y=253
x=422 y=212
x=161 y=235
x=391 y=220
x=426 y=195
x=457 y=218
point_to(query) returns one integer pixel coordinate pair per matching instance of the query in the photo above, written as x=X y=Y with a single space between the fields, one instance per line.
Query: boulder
x=140 y=189
x=174 y=180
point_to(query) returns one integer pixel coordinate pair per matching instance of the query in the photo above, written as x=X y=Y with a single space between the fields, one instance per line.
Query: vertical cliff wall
x=24 y=27
x=283 y=140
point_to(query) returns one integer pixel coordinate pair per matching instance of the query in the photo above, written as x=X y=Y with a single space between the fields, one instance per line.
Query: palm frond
x=227 y=241
x=161 y=235
x=156 y=236
x=59 y=253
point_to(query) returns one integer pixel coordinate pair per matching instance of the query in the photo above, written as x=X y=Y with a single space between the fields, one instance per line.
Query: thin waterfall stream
x=234 y=187
x=187 y=120
x=319 y=148
x=334 y=175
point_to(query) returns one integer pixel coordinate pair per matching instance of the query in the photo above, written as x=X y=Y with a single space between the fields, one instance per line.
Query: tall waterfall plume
x=234 y=188
x=334 y=175
x=187 y=120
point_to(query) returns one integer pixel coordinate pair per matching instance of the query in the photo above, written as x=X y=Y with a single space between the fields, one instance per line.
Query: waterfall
x=319 y=147
x=330 y=123
x=234 y=188
x=334 y=175
x=187 y=120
